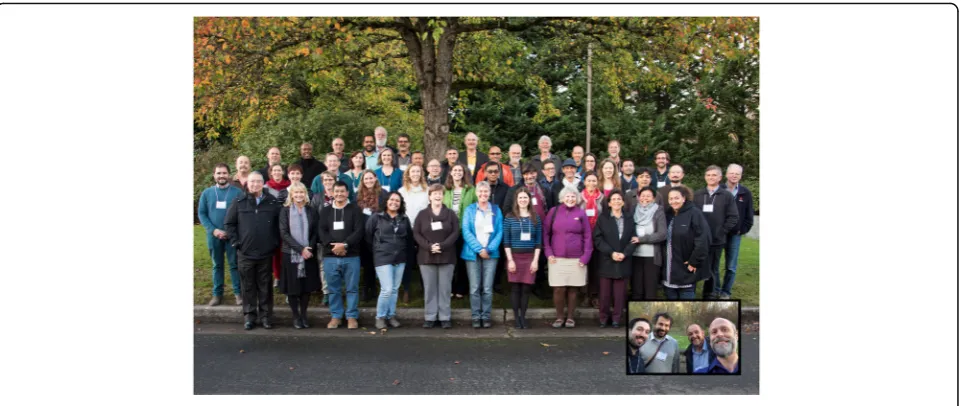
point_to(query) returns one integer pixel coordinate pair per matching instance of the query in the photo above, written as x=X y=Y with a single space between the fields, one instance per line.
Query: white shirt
x=416 y=200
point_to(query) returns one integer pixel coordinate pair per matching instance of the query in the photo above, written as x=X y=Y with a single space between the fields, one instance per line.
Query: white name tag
x=590 y=212
x=471 y=167
x=403 y=167
x=525 y=236
x=386 y=188
x=708 y=208
x=367 y=211
x=338 y=225
x=661 y=184
x=661 y=356
x=534 y=201
x=436 y=225
x=456 y=207
x=222 y=205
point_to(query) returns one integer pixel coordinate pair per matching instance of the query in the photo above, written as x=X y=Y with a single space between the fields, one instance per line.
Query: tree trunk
x=433 y=70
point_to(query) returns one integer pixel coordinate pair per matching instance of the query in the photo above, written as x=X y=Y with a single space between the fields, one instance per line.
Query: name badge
x=471 y=167
x=386 y=188
x=403 y=168
x=222 y=205
x=456 y=207
x=338 y=225
x=367 y=211
x=534 y=201
x=661 y=184
x=708 y=208
x=661 y=356
x=436 y=225
x=590 y=212
x=525 y=236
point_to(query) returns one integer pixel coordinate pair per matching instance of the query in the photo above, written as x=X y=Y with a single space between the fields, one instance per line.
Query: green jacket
x=467 y=198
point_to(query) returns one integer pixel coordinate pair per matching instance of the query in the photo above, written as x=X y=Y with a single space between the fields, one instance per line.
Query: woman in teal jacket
x=482 y=227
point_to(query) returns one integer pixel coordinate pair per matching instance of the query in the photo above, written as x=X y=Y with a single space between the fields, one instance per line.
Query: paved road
x=495 y=361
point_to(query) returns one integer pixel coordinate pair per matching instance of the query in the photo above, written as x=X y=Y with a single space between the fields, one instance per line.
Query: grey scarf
x=644 y=215
x=299 y=230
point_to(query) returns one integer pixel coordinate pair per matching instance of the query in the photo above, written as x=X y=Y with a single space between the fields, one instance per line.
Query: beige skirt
x=566 y=272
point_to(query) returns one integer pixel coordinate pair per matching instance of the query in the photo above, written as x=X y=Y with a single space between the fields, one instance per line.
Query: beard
x=380 y=144
x=633 y=342
x=222 y=181
x=660 y=332
x=369 y=148
x=724 y=348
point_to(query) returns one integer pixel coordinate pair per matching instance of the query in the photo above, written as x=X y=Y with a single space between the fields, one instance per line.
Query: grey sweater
x=672 y=356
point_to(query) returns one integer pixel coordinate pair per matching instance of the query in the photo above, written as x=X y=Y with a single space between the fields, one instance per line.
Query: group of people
x=581 y=225
x=661 y=354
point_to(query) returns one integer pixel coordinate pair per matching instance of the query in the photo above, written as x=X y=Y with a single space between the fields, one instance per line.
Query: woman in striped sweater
x=522 y=246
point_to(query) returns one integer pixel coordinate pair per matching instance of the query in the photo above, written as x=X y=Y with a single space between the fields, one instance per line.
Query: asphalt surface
x=228 y=360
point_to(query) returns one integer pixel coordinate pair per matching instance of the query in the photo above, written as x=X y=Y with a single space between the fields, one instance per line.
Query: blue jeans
x=680 y=293
x=731 y=250
x=218 y=248
x=390 y=277
x=480 y=273
x=341 y=270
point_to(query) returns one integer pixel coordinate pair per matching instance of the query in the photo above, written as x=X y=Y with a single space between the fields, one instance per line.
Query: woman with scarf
x=592 y=203
x=522 y=247
x=688 y=241
x=298 y=230
x=568 y=246
x=459 y=194
x=275 y=186
x=414 y=191
x=651 y=231
x=613 y=244
x=370 y=199
x=387 y=233
x=353 y=176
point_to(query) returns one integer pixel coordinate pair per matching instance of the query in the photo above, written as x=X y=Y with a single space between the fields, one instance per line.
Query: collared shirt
x=733 y=191
x=716 y=368
x=671 y=361
x=371 y=161
x=701 y=359
x=259 y=198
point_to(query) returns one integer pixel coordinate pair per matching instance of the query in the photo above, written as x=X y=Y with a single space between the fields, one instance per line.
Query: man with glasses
x=506 y=176
x=402 y=159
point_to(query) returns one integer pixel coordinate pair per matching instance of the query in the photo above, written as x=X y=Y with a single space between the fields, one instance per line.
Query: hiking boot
x=381 y=323
x=475 y=323
x=216 y=301
x=428 y=324
x=351 y=323
x=393 y=322
x=445 y=324
x=487 y=323
x=334 y=323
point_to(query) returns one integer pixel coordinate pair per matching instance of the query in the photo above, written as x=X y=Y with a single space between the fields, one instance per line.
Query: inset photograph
x=683 y=337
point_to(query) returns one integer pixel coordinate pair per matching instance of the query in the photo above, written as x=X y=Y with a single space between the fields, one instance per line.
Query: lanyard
x=714 y=196
x=634 y=366
x=217 y=193
x=341 y=212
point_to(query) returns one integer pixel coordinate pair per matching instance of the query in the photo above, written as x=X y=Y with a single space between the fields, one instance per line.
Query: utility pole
x=590 y=82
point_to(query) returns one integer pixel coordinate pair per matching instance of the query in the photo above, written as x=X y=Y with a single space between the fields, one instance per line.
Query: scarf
x=590 y=202
x=278 y=186
x=299 y=227
x=644 y=215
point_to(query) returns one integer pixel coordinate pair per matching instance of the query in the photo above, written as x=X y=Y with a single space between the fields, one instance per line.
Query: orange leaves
x=227 y=59
x=303 y=51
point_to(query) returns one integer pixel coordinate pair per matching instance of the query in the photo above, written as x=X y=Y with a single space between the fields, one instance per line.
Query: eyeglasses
x=495 y=153
x=493 y=172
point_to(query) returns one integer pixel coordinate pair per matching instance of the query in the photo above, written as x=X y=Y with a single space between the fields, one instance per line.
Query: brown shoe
x=334 y=323
x=216 y=301
x=351 y=324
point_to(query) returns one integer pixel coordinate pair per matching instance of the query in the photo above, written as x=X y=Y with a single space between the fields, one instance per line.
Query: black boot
x=518 y=322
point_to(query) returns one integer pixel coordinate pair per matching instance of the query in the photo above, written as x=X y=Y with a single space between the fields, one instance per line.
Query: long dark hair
x=516 y=210
x=350 y=161
x=467 y=181
x=403 y=207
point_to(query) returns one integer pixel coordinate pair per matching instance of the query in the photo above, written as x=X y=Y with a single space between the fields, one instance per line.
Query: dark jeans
x=255 y=281
x=369 y=274
x=712 y=286
x=679 y=294
x=644 y=279
x=731 y=251
x=461 y=281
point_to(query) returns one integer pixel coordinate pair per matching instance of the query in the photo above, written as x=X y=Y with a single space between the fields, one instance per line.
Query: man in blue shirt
x=211 y=211
x=697 y=355
x=724 y=345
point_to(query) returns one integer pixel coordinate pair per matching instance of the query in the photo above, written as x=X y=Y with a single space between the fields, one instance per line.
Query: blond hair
x=294 y=186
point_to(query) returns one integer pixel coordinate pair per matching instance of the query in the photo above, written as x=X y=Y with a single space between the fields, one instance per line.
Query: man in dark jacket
x=312 y=167
x=471 y=156
x=720 y=211
x=253 y=228
x=273 y=158
x=745 y=220
x=499 y=189
x=699 y=354
x=676 y=178
x=341 y=233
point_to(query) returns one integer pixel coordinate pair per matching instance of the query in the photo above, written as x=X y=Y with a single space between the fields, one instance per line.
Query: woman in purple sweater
x=568 y=246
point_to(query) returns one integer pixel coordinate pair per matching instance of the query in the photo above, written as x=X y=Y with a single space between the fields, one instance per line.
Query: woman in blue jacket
x=390 y=177
x=482 y=227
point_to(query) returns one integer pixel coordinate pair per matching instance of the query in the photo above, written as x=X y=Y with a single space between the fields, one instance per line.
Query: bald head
x=723 y=337
x=676 y=173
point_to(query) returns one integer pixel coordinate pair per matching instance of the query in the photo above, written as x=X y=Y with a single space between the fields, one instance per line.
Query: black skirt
x=290 y=284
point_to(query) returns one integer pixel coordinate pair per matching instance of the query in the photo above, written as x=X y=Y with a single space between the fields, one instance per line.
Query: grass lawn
x=745 y=288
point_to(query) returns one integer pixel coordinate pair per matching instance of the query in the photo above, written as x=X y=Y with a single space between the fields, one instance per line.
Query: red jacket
x=506 y=175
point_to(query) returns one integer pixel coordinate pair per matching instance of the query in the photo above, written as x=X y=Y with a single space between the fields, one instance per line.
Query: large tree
x=251 y=69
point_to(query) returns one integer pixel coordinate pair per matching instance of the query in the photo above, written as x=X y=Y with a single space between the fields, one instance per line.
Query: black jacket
x=388 y=238
x=288 y=240
x=690 y=242
x=352 y=233
x=606 y=243
x=478 y=164
x=253 y=229
x=723 y=218
x=499 y=193
x=689 y=357
x=745 y=209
